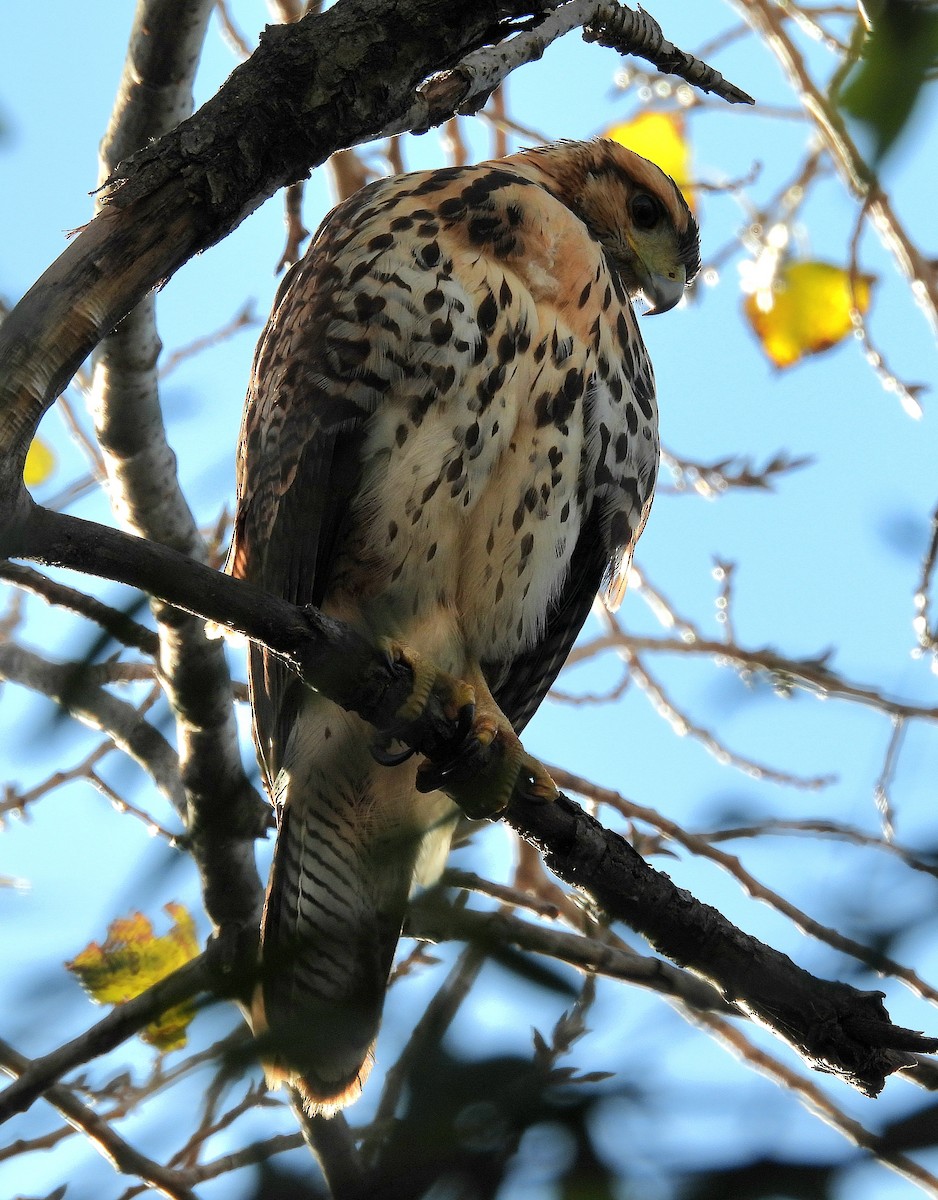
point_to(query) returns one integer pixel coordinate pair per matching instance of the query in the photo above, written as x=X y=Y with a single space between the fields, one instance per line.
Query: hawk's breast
x=506 y=410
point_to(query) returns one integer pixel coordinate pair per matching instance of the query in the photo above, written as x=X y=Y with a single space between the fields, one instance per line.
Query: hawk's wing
x=298 y=468
x=521 y=683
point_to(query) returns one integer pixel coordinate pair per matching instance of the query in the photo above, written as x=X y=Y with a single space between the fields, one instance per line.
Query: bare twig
x=683 y=725
x=197 y=975
x=813 y=675
x=96 y=708
x=713 y=479
x=250 y=1155
x=498 y=111
x=466 y=89
x=119 y=625
x=881 y=790
x=924 y=628
x=17 y=802
x=821 y=828
x=766 y=19
x=348 y=173
x=435 y=1020
x=430 y=918
x=245 y=318
x=909 y=394
x=638 y=33
x=297 y=233
x=120 y=1153
x=235 y=39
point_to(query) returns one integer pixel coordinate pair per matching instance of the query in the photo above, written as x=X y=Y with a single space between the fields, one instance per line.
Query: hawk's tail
x=335 y=905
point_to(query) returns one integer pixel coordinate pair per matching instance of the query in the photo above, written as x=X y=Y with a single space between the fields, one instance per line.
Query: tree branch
x=835 y=1027
x=115 y=623
x=120 y=1153
x=200 y=974
x=640 y=34
x=874 y=959
x=428 y=1032
x=433 y=919
x=769 y=22
x=67 y=685
x=332 y=1144
x=811 y=674
x=224 y=812
x=468 y=87
x=326 y=81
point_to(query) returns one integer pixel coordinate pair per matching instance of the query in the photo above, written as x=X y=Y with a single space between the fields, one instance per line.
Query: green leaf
x=882 y=91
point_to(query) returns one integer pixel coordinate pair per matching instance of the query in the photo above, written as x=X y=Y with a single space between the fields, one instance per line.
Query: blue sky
x=830 y=559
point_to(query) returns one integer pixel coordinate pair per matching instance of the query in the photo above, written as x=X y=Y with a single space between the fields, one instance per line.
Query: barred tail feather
x=333 y=916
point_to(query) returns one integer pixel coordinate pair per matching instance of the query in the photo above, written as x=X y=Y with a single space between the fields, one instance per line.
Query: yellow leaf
x=40 y=463
x=660 y=137
x=131 y=960
x=807 y=309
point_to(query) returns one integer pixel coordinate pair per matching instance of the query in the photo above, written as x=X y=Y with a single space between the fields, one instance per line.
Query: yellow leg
x=488 y=762
x=457 y=698
x=485 y=790
x=426 y=677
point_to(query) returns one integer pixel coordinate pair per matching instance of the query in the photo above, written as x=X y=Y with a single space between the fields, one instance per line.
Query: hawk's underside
x=450 y=441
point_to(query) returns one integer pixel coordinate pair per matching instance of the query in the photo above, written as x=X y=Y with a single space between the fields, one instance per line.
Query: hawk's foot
x=485 y=762
x=457 y=701
x=487 y=768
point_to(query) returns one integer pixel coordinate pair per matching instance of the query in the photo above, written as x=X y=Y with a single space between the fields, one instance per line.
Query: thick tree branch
x=310 y=87
x=332 y=1144
x=835 y=1027
x=224 y=811
x=872 y=958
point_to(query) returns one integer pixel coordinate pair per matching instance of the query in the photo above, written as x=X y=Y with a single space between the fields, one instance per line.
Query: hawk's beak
x=663 y=291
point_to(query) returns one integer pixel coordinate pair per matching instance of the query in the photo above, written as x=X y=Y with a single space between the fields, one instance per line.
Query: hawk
x=450 y=441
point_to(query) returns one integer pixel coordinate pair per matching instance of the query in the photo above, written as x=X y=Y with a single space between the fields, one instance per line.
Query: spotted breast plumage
x=450 y=441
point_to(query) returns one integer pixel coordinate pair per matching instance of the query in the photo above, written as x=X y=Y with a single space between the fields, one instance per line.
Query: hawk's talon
x=537 y=784
x=456 y=695
x=465 y=719
x=430 y=777
x=387 y=758
x=459 y=768
x=464 y=748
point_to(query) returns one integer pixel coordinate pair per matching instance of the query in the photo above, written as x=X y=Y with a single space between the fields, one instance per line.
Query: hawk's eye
x=645 y=211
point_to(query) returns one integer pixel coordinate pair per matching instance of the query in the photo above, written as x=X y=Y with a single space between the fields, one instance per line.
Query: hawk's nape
x=450 y=441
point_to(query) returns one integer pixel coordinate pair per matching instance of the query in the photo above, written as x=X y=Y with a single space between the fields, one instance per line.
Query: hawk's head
x=636 y=211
